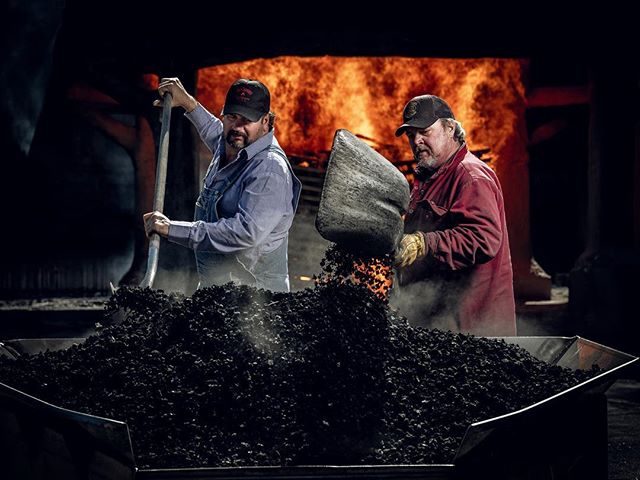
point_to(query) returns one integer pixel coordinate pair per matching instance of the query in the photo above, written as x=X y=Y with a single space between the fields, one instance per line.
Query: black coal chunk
x=236 y=376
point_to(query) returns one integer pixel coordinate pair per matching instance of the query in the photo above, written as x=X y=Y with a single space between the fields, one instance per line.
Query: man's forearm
x=462 y=247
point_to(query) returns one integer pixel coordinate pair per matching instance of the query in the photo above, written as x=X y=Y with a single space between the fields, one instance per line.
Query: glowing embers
x=340 y=266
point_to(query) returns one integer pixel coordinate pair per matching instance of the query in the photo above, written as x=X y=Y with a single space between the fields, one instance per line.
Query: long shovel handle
x=158 y=196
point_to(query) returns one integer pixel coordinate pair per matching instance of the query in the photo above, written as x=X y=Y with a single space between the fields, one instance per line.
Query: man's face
x=239 y=132
x=431 y=146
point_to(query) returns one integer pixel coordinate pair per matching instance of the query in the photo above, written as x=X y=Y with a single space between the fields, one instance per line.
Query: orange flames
x=314 y=96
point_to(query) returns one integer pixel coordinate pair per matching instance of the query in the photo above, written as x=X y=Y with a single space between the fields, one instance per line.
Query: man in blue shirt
x=249 y=194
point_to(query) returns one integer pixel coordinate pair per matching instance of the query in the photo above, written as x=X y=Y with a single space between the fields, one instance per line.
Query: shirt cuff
x=430 y=242
x=180 y=232
x=198 y=116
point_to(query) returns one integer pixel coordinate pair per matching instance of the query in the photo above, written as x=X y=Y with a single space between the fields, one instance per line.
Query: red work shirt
x=465 y=282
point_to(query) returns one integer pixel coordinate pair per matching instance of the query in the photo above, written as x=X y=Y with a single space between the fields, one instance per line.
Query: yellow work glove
x=412 y=247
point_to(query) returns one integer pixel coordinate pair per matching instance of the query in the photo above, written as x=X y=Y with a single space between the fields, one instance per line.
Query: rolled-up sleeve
x=262 y=205
x=477 y=234
x=209 y=127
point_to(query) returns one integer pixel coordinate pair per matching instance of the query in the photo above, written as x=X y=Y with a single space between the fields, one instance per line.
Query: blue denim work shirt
x=256 y=212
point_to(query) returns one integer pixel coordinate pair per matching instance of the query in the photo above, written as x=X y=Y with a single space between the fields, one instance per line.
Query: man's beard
x=237 y=143
x=425 y=167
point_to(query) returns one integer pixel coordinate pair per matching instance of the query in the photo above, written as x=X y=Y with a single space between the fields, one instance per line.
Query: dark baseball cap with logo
x=249 y=98
x=423 y=111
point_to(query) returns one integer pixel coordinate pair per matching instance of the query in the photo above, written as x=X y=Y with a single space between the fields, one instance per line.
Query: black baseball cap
x=249 y=98
x=423 y=111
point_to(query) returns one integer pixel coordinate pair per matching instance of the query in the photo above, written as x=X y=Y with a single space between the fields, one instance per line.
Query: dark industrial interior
x=79 y=145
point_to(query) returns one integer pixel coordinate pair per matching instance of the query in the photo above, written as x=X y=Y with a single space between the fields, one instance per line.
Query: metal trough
x=563 y=436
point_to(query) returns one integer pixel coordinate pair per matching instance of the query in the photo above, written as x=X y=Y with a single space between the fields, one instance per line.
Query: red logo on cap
x=243 y=94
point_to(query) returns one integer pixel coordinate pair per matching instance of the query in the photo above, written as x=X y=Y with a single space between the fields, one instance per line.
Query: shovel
x=158 y=196
x=363 y=198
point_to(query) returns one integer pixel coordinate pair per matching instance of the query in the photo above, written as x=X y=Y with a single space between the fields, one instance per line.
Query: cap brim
x=248 y=113
x=416 y=124
x=401 y=129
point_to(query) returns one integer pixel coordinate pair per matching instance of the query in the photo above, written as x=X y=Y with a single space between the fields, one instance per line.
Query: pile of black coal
x=236 y=376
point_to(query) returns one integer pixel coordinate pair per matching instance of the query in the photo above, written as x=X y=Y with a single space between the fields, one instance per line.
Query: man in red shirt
x=454 y=264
